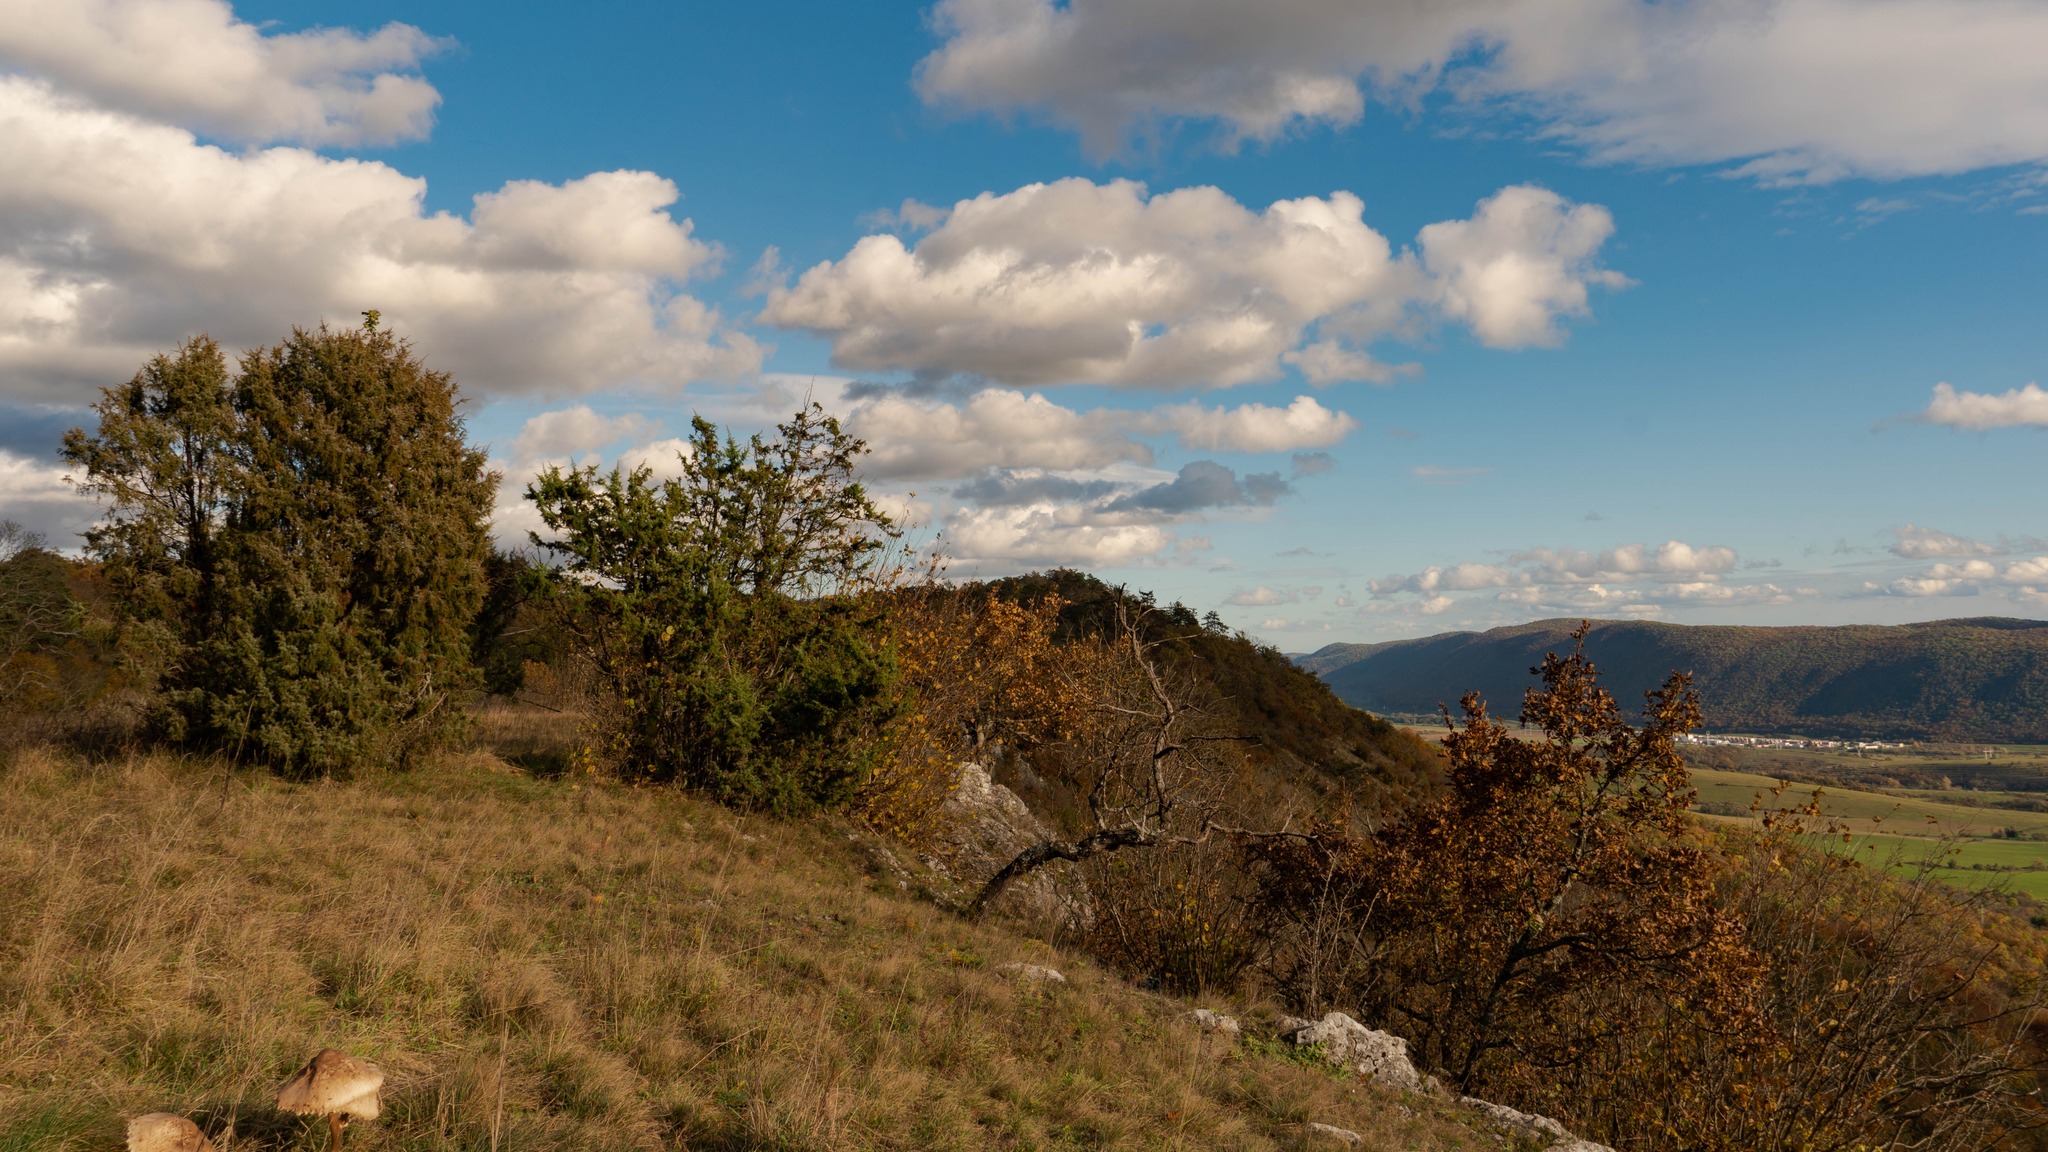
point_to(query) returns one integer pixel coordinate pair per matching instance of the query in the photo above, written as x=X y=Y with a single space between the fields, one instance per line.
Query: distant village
x=1786 y=742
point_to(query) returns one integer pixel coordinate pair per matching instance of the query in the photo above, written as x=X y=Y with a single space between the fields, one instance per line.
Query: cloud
x=1313 y=463
x=1252 y=427
x=192 y=62
x=1968 y=577
x=1917 y=543
x=1260 y=597
x=1206 y=484
x=1673 y=558
x=119 y=237
x=2026 y=406
x=1925 y=586
x=1008 y=489
x=1521 y=262
x=1078 y=282
x=1787 y=90
x=571 y=432
x=1632 y=578
x=1028 y=467
x=35 y=494
x=1454 y=578
x=914 y=439
x=987 y=541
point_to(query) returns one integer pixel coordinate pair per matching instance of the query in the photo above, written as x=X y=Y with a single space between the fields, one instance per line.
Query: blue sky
x=1416 y=317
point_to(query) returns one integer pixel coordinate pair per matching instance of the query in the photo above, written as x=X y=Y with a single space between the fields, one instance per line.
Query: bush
x=300 y=544
x=732 y=614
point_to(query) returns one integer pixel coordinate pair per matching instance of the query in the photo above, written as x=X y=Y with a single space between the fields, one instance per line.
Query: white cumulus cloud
x=192 y=62
x=989 y=541
x=2026 y=406
x=1078 y=282
x=119 y=237
x=571 y=432
x=1917 y=543
x=912 y=439
x=1303 y=423
x=1786 y=89
x=1673 y=558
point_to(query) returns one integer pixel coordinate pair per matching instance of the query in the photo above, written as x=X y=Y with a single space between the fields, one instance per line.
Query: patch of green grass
x=1864 y=811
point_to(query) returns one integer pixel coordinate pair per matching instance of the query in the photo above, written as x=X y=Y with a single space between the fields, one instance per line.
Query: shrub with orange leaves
x=981 y=674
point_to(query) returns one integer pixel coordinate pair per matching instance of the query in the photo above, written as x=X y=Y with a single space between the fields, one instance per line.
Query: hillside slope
x=1981 y=679
x=567 y=964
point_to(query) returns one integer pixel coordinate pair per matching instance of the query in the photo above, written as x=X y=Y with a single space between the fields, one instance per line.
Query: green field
x=1973 y=844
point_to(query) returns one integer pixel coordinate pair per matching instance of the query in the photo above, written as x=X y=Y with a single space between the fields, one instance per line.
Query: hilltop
x=1980 y=679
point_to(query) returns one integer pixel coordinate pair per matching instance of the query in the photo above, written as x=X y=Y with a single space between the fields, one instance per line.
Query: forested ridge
x=1976 y=679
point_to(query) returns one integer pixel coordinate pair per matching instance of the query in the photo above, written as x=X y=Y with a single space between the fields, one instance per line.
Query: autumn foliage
x=1553 y=931
x=982 y=674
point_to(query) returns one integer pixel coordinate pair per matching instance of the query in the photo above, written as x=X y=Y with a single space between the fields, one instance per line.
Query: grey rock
x=1530 y=1124
x=1340 y=1135
x=1031 y=973
x=1380 y=1056
x=1209 y=1021
x=983 y=826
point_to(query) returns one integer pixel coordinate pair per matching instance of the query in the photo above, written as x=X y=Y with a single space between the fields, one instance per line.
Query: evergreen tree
x=727 y=611
x=308 y=539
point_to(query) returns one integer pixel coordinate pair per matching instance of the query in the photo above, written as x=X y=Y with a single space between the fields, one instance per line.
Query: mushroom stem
x=334 y=1131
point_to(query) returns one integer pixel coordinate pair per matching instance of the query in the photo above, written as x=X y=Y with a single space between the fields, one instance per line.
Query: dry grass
x=553 y=963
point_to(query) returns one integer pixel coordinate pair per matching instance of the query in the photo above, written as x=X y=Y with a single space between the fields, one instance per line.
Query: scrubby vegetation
x=603 y=845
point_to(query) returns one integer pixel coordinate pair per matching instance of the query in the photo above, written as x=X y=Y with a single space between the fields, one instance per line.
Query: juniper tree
x=728 y=612
x=306 y=538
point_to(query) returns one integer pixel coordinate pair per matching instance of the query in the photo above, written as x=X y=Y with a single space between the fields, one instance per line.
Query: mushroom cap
x=163 y=1132
x=333 y=1081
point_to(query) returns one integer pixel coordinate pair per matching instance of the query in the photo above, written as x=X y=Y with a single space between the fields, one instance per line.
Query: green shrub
x=306 y=538
x=730 y=614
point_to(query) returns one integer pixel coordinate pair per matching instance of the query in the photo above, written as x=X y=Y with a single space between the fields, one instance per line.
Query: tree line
x=294 y=569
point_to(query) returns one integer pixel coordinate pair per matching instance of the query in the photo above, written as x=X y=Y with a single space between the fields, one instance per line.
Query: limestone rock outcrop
x=982 y=827
x=1345 y=1043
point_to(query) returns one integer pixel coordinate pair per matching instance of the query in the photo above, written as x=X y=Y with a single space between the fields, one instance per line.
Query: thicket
x=295 y=549
x=1554 y=933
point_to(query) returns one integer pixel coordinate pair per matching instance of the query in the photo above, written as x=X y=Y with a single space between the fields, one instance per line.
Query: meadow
x=542 y=960
x=1977 y=816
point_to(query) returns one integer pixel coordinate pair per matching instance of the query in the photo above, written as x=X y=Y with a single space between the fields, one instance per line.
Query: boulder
x=1531 y=1125
x=1340 y=1135
x=983 y=826
x=1032 y=973
x=1209 y=1021
x=1345 y=1043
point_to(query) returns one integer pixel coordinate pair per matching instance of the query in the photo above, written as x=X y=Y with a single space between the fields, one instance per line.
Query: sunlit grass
x=622 y=968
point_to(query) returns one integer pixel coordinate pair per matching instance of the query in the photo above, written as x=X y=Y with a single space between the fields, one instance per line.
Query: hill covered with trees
x=1978 y=679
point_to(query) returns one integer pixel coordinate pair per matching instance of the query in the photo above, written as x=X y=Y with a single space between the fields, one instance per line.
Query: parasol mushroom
x=331 y=1084
x=163 y=1132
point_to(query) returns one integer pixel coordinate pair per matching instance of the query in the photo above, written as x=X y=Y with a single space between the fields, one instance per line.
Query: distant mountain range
x=1983 y=679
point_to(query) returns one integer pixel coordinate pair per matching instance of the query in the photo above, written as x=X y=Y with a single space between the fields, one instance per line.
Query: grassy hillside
x=1982 y=679
x=566 y=964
